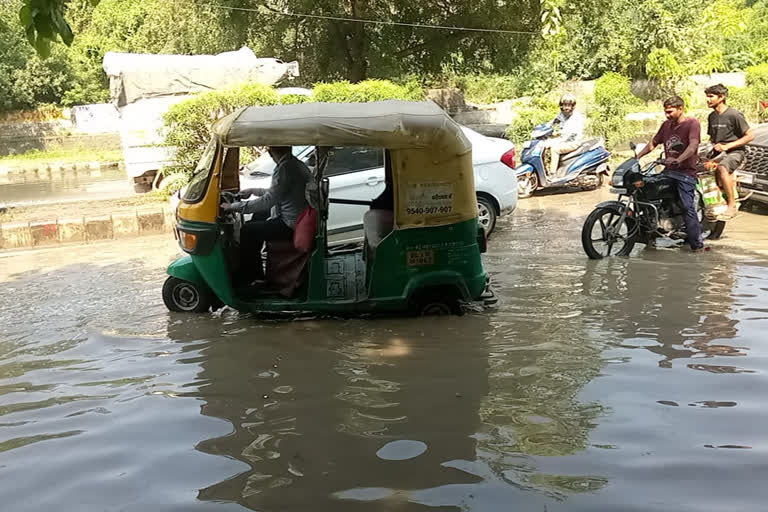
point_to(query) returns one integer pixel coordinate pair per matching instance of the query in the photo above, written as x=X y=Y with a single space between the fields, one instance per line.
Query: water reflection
x=672 y=307
x=314 y=406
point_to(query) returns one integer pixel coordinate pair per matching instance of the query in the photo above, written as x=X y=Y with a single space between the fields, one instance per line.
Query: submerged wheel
x=527 y=185
x=185 y=297
x=604 y=234
x=436 y=303
x=486 y=214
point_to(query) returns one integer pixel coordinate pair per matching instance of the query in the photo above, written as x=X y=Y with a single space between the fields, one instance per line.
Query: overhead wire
x=378 y=22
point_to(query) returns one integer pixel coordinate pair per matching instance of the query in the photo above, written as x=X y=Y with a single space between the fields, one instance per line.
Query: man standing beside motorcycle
x=571 y=131
x=729 y=132
x=681 y=136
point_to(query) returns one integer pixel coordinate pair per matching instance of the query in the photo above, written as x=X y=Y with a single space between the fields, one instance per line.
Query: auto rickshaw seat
x=377 y=224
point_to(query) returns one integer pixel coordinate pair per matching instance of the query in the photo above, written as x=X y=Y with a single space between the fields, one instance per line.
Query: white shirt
x=571 y=128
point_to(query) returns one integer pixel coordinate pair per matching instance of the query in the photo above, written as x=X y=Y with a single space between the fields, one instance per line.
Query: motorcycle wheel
x=604 y=234
x=527 y=185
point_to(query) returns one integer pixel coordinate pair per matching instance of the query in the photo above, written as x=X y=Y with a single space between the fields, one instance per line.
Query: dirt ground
x=72 y=210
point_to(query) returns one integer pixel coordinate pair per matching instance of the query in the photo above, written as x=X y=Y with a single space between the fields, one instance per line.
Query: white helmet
x=568 y=98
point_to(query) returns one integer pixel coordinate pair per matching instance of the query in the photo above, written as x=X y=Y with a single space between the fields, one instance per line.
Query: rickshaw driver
x=275 y=210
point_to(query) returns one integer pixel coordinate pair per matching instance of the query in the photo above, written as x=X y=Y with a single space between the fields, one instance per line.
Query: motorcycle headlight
x=617 y=180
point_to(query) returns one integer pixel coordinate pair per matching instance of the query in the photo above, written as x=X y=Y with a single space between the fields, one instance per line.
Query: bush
x=540 y=110
x=613 y=100
x=366 y=91
x=748 y=99
x=188 y=123
x=757 y=79
x=484 y=89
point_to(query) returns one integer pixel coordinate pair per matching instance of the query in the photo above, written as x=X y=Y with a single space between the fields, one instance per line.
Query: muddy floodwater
x=629 y=384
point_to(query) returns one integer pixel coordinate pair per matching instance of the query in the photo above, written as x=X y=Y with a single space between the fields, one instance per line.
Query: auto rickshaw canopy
x=430 y=155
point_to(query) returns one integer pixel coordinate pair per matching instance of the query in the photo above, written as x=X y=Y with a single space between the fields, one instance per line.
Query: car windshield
x=199 y=181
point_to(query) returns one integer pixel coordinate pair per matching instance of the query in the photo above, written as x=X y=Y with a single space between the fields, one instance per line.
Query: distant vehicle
x=752 y=175
x=144 y=86
x=589 y=159
x=357 y=172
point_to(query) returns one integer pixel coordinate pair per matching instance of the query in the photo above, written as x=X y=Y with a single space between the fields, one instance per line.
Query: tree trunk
x=357 y=43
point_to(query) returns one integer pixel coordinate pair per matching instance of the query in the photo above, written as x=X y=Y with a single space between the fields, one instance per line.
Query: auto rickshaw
x=421 y=256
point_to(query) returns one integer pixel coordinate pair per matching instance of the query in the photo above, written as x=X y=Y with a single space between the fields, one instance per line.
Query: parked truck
x=143 y=87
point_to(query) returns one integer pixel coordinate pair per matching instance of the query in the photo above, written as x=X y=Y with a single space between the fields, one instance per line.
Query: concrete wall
x=21 y=137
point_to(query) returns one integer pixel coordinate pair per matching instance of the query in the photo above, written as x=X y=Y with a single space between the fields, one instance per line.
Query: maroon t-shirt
x=687 y=131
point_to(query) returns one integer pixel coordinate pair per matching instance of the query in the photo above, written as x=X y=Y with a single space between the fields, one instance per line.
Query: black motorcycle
x=648 y=208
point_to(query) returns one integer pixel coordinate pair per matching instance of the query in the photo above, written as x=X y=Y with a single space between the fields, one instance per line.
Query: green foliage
x=188 y=123
x=712 y=62
x=368 y=90
x=613 y=100
x=292 y=99
x=488 y=88
x=757 y=78
x=664 y=68
x=43 y=22
x=541 y=110
x=744 y=99
x=748 y=99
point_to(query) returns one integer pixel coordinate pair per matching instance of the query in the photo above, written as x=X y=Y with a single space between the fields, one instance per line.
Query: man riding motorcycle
x=571 y=131
x=678 y=132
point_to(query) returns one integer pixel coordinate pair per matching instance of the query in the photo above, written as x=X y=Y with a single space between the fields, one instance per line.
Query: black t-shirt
x=727 y=127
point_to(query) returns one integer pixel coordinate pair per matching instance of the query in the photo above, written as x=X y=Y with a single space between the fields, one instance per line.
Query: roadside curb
x=51 y=171
x=140 y=222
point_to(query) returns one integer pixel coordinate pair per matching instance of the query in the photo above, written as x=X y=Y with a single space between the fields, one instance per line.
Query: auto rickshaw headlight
x=188 y=241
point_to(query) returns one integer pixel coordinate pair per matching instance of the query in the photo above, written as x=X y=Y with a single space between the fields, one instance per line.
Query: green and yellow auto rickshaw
x=421 y=255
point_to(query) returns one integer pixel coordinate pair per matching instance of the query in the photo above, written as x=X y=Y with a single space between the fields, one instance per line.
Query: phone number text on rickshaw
x=427 y=210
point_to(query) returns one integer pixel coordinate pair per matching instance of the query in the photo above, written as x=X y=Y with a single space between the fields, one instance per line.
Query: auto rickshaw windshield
x=197 y=185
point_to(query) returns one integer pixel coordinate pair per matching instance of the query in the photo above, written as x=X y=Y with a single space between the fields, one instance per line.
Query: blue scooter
x=590 y=159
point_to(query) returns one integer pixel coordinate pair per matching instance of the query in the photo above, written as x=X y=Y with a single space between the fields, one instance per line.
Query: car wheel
x=486 y=214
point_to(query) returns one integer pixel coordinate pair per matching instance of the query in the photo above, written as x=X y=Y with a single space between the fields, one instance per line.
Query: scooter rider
x=680 y=164
x=571 y=131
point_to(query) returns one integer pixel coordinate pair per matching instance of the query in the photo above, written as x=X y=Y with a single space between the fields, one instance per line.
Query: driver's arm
x=749 y=136
x=647 y=149
x=271 y=195
x=692 y=149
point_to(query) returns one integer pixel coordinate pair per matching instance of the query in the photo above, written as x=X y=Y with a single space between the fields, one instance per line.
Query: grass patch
x=64 y=155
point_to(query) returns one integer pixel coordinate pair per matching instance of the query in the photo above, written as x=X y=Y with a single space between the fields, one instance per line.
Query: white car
x=357 y=172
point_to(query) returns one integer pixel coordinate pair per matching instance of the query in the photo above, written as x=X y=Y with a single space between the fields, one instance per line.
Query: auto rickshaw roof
x=389 y=124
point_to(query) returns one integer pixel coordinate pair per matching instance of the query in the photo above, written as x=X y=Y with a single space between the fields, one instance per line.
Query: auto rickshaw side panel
x=411 y=260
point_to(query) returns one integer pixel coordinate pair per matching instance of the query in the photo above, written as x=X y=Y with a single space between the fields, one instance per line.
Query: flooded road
x=74 y=185
x=628 y=384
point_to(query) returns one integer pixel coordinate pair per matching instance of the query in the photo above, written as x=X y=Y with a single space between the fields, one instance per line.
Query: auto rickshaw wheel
x=183 y=296
x=436 y=303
